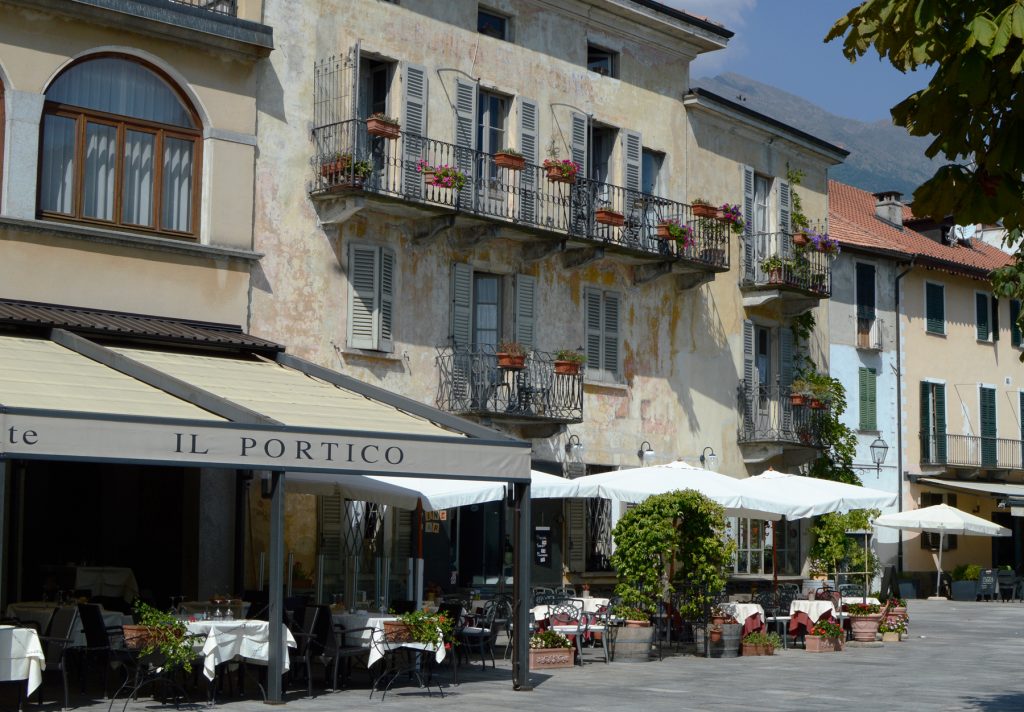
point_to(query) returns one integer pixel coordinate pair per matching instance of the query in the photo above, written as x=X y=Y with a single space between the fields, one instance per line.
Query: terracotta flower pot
x=865 y=627
x=513 y=362
x=555 y=175
x=384 y=129
x=662 y=232
x=509 y=161
x=797 y=400
x=816 y=404
x=800 y=239
x=715 y=636
x=890 y=637
x=550 y=658
x=567 y=368
x=609 y=217
x=704 y=211
x=821 y=644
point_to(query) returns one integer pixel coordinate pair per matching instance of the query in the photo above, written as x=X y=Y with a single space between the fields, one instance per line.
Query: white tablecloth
x=21 y=656
x=590 y=605
x=742 y=611
x=107 y=581
x=871 y=601
x=40 y=613
x=227 y=640
x=813 y=609
x=376 y=645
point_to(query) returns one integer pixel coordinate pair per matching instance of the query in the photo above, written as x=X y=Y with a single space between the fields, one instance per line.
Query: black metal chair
x=347 y=644
x=97 y=640
x=57 y=645
x=480 y=637
x=305 y=646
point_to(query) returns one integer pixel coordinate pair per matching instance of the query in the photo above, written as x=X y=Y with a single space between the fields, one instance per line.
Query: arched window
x=120 y=146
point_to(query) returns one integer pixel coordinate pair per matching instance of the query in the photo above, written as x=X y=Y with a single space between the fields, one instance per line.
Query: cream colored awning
x=994 y=489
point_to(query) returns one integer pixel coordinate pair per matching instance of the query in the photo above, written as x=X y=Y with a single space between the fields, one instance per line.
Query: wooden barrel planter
x=730 y=645
x=633 y=642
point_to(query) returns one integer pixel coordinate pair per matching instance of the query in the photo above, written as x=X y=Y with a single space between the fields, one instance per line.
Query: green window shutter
x=363 y=305
x=524 y=314
x=995 y=319
x=611 y=334
x=989 y=430
x=592 y=329
x=462 y=305
x=981 y=316
x=935 y=312
x=1014 y=325
x=387 y=296
x=926 y=426
x=868 y=399
x=940 y=422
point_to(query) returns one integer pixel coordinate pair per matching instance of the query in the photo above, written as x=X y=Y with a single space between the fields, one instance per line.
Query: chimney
x=889 y=208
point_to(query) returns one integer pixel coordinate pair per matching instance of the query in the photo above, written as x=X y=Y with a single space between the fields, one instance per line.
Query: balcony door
x=491 y=137
x=763 y=371
x=374 y=89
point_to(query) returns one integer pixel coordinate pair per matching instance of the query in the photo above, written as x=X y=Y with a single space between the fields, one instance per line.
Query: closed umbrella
x=941 y=519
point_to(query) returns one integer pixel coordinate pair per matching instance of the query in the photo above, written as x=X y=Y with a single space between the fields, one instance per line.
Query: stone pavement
x=960 y=656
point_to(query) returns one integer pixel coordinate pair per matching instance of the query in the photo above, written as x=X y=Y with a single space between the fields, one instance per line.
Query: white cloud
x=730 y=13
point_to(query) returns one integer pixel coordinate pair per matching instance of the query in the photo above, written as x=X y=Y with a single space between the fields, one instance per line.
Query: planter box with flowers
x=671 y=229
x=758 y=643
x=444 y=176
x=703 y=209
x=509 y=158
x=340 y=171
x=568 y=362
x=864 y=621
x=419 y=627
x=825 y=637
x=511 y=355
x=799 y=392
x=561 y=171
x=732 y=215
x=550 y=650
x=893 y=628
x=607 y=216
x=383 y=126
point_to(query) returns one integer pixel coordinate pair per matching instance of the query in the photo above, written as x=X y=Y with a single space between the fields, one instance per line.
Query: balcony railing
x=972 y=451
x=770 y=417
x=869 y=333
x=221 y=7
x=348 y=158
x=772 y=261
x=471 y=383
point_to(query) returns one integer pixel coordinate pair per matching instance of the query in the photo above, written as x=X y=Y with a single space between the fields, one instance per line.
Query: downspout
x=899 y=411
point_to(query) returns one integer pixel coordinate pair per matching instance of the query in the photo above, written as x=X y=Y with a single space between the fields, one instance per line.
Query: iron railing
x=221 y=7
x=769 y=415
x=870 y=333
x=348 y=158
x=972 y=451
x=471 y=383
x=771 y=260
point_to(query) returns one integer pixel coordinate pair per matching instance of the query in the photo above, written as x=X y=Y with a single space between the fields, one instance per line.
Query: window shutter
x=529 y=136
x=465 y=136
x=868 y=399
x=462 y=304
x=611 y=334
x=524 y=314
x=414 y=127
x=1014 y=325
x=935 y=317
x=785 y=213
x=926 y=427
x=592 y=327
x=577 y=534
x=748 y=374
x=785 y=376
x=995 y=318
x=362 y=296
x=578 y=141
x=865 y=291
x=633 y=157
x=387 y=295
x=981 y=316
x=748 y=224
x=940 y=422
x=1020 y=418
x=358 y=106
x=989 y=430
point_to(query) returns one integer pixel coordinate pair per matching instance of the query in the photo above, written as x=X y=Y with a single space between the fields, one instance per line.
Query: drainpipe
x=899 y=411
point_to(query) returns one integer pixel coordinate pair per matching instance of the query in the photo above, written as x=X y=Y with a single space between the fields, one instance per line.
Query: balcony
x=221 y=7
x=471 y=383
x=772 y=424
x=971 y=451
x=348 y=160
x=773 y=269
x=870 y=332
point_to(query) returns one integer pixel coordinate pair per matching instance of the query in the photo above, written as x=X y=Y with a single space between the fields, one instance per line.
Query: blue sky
x=779 y=42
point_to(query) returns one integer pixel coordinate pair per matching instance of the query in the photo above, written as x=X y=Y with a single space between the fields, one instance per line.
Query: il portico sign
x=255 y=447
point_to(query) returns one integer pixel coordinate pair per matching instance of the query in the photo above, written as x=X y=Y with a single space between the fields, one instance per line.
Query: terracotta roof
x=852 y=221
x=132 y=326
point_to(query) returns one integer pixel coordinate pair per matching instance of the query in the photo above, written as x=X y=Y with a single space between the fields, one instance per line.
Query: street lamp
x=710 y=461
x=879 y=448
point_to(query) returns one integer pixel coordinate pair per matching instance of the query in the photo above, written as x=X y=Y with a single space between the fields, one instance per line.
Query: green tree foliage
x=833 y=550
x=682 y=531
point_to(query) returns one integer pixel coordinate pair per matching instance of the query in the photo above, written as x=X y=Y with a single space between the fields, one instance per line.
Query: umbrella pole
x=775 y=557
x=938 y=574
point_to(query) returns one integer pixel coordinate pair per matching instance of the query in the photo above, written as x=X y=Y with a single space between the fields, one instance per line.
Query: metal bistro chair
x=481 y=637
x=57 y=644
x=97 y=640
x=776 y=611
x=399 y=658
x=1008 y=583
x=568 y=620
x=305 y=645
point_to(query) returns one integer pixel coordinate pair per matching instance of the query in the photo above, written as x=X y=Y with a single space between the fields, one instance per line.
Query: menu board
x=542 y=546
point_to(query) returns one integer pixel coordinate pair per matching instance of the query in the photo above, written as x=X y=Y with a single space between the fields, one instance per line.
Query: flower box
x=550 y=658
x=821 y=644
x=747 y=649
x=330 y=169
x=384 y=129
x=137 y=637
x=555 y=175
x=800 y=239
x=816 y=404
x=704 y=211
x=609 y=217
x=514 y=362
x=797 y=400
x=509 y=161
x=567 y=368
x=397 y=632
x=891 y=637
x=662 y=232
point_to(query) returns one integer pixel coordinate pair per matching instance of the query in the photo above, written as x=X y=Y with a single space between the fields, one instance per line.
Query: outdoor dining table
x=40 y=613
x=21 y=657
x=374 y=640
x=804 y=614
x=223 y=641
x=751 y=615
x=870 y=600
x=590 y=605
x=116 y=581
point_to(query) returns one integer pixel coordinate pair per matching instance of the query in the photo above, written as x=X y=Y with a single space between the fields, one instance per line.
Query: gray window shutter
x=592 y=327
x=362 y=296
x=414 y=127
x=633 y=155
x=529 y=137
x=465 y=136
x=578 y=141
x=356 y=102
x=785 y=228
x=785 y=376
x=577 y=534
x=748 y=375
x=462 y=305
x=387 y=295
x=611 y=334
x=524 y=315
x=981 y=316
x=748 y=224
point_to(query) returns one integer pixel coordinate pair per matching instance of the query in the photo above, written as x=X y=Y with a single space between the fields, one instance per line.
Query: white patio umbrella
x=810 y=496
x=639 y=483
x=942 y=520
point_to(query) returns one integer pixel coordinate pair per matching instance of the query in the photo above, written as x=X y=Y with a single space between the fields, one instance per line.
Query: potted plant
x=342 y=172
x=732 y=215
x=511 y=355
x=825 y=637
x=334 y=163
x=965 y=582
x=703 y=209
x=800 y=239
x=379 y=124
x=509 y=158
x=864 y=620
x=893 y=629
x=568 y=362
x=606 y=216
x=715 y=633
x=758 y=643
x=420 y=627
x=163 y=633
x=672 y=229
x=799 y=391
x=823 y=243
x=896 y=607
x=446 y=176
x=772 y=266
x=560 y=170
x=550 y=650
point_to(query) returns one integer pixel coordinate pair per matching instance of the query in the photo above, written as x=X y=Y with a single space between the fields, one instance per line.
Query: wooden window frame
x=123 y=124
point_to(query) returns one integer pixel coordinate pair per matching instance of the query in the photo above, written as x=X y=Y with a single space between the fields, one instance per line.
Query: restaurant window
x=120 y=147
x=756 y=551
x=603 y=61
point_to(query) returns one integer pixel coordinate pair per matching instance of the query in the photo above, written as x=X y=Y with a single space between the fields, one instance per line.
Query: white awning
x=994 y=489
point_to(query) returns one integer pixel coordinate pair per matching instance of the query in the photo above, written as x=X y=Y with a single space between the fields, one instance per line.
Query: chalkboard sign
x=542 y=546
x=988 y=583
x=890 y=586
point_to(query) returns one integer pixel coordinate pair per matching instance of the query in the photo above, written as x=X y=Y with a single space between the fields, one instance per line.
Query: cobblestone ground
x=959 y=656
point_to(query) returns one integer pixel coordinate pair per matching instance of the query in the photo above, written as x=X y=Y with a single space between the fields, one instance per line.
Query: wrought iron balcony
x=771 y=261
x=972 y=451
x=221 y=7
x=350 y=159
x=472 y=383
x=769 y=416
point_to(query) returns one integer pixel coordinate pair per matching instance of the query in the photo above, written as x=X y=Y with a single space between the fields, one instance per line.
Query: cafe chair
x=57 y=645
x=305 y=646
x=97 y=641
x=568 y=620
x=480 y=637
x=348 y=643
x=1008 y=584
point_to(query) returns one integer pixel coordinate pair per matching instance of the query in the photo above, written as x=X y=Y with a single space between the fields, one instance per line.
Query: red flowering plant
x=682 y=234
x=567 y=167
x=827 y=629
x=733 y=216
x=425 y=627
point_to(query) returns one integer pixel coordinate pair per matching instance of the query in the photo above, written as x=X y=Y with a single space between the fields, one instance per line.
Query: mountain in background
x=882 y=156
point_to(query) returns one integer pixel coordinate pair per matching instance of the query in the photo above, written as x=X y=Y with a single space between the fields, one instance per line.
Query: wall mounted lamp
x=710 y=460
x=646 y=452
x=574 y=448
x=879 y=449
